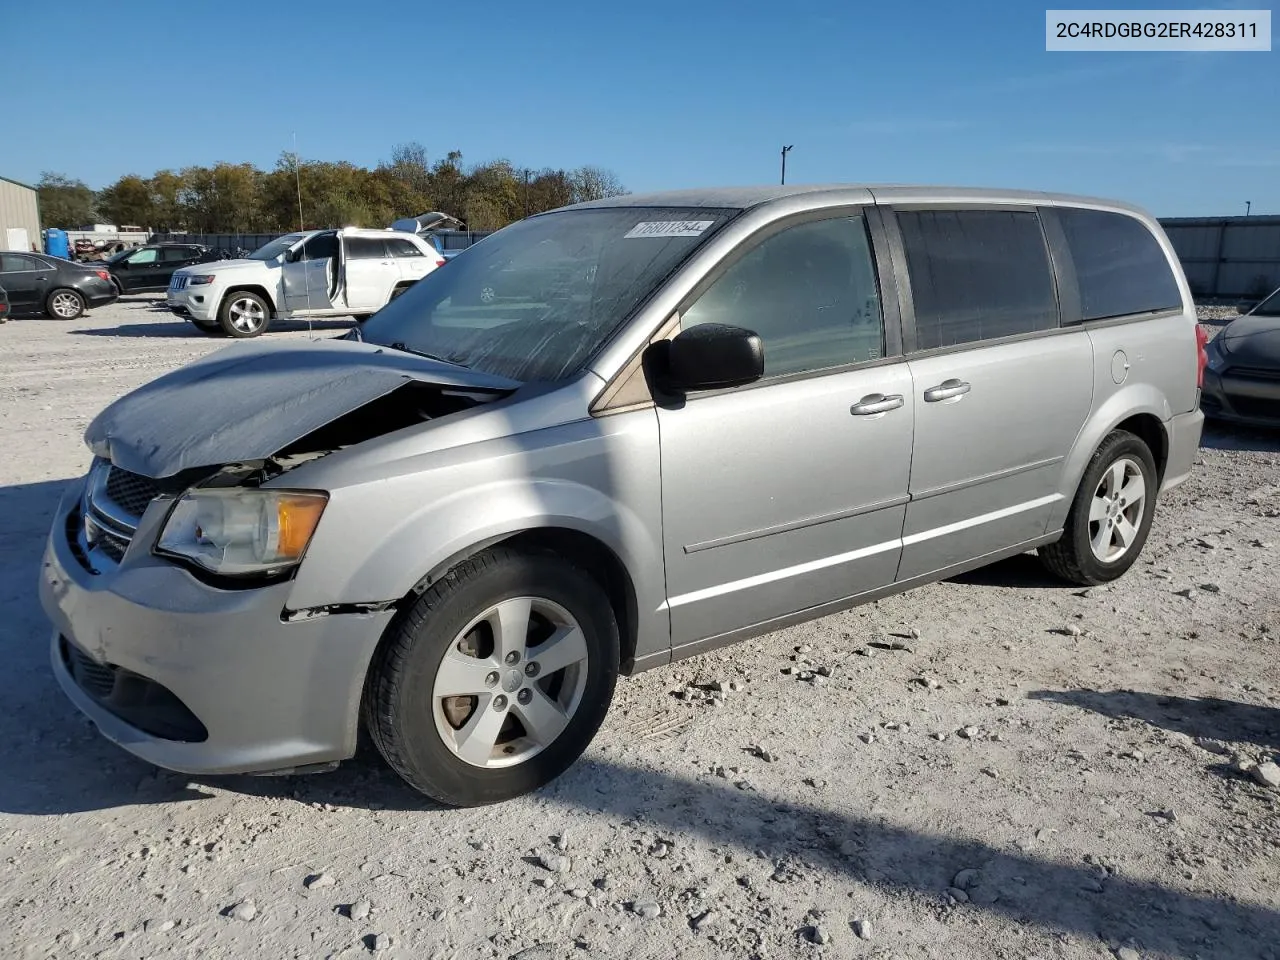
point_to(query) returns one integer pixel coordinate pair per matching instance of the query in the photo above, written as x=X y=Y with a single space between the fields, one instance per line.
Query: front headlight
x=242 y=532
x=200 y=279
x=1216 y=358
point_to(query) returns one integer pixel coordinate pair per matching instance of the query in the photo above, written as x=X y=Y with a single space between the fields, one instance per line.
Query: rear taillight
x=103 y=274
x=1202 y=356
x=441 y=262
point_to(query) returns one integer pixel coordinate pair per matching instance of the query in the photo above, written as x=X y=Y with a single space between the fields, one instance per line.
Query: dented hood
x=250 y=400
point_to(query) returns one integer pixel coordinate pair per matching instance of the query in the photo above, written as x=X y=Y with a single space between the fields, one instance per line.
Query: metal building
x=19 y=216
x=1227 y=256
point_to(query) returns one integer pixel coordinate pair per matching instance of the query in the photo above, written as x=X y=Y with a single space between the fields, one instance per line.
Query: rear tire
x=64 y=304
x=1110 y=516
x=496 y=679
x=243 y=314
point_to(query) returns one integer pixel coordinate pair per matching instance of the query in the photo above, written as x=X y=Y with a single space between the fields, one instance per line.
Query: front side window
x=809 y=292
x=536 y=300
x=323 y=246
x=977 y=275
x=1119 y=265
x=145 y=255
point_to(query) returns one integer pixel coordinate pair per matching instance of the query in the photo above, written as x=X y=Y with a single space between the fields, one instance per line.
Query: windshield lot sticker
x=667 y=228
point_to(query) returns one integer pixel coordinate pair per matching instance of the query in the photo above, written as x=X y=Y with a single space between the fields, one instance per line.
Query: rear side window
x=365 y=248
x=175 y=254
x=1119 y=265
x=401 y=247
x=977 y=275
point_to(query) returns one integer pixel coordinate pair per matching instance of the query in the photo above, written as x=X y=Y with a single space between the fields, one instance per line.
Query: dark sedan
x=151 y=267
x=39 y=284
x=1242 y=380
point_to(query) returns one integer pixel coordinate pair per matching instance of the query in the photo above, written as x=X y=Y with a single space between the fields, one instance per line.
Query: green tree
x=128 y=201
x=64 y=202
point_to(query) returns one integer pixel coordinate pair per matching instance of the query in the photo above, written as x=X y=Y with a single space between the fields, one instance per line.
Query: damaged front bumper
x=196 y=678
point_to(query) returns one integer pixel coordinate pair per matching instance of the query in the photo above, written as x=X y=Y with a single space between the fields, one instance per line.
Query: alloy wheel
x=1115 y=512
x=246 y=315
x=65 y=305
x=510 y=682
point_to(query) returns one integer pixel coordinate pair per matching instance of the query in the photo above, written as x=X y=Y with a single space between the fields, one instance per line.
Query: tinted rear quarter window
x=401 y=247
x=1120 y=267
x=977 y=275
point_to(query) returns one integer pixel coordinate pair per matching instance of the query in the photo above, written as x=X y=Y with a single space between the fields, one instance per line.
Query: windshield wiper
x=399 y=345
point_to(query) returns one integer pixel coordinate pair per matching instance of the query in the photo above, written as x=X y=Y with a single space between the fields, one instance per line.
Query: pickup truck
x=321 y=273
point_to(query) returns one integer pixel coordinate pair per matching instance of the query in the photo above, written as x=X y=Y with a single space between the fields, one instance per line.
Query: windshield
x=1269 y=307
x=534 y=301
x=276 y=247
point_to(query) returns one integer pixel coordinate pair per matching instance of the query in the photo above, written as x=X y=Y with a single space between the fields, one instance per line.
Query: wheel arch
x=1141 y=410
x=595 y=556
x=255 y=288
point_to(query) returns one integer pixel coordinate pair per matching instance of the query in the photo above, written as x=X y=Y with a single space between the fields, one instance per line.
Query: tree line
x=240 y=198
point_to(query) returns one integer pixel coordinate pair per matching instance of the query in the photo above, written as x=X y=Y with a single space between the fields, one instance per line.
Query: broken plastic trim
x=334 y=609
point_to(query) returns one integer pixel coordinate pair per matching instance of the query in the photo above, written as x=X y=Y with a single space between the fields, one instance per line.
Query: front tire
x=243 y=314
x=64 y=304
x=1110 y=516
x=493 y=683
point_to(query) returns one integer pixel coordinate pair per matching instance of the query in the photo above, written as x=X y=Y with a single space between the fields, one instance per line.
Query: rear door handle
x=876 y=403
x=946 y=390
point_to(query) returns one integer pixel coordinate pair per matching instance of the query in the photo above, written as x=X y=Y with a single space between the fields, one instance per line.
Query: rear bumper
x=1184 y=442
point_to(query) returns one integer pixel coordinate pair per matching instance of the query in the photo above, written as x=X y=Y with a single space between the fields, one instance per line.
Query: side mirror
x=712 y=356
x=290 y=256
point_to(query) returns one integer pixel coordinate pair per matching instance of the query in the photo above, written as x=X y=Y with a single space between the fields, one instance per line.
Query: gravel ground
x=992 y=767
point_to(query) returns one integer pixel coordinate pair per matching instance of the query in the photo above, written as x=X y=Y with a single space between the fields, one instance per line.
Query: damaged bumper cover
x=146 y=649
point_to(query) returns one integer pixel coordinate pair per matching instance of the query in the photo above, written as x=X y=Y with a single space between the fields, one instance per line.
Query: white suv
x=323 y=273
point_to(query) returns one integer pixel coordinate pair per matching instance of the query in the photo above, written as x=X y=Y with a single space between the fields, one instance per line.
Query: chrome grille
x=130 y=491
x=113 y=503
x=178 y=282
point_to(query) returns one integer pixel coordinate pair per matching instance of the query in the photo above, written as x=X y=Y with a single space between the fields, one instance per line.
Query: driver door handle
x=946 y=390
x=876 y=403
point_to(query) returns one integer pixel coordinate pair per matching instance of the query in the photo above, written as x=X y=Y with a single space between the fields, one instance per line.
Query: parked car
x=1242 y=382
x=323 y=273
x=41 y=284
x=460 y=523
x=150 y=268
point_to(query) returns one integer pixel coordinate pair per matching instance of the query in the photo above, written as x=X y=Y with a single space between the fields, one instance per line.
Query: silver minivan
x=606 y=438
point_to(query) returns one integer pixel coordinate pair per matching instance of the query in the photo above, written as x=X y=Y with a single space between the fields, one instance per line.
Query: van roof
x=754 y=196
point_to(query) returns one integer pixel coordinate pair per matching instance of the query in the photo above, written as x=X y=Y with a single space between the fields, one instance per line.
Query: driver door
x=310 y=279
x=139 y=269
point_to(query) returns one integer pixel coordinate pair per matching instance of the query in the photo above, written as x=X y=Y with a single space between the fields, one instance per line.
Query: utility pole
x=785 y=151
x=1248 y=205
x=297 y=179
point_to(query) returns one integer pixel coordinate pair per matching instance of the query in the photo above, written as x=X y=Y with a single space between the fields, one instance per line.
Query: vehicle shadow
x=1205 y=717
x=1019 y=573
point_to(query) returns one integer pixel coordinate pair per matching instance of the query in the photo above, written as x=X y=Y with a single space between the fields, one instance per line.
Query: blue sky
x=666 y=94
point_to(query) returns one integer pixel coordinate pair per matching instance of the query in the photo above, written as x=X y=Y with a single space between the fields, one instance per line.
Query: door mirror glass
x=711 y=356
